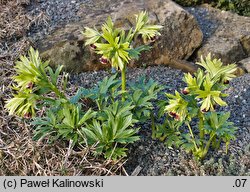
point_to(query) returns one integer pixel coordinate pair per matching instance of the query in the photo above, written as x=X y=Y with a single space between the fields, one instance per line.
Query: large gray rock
x=230 y=41
x=245 y=64
x=181 y=34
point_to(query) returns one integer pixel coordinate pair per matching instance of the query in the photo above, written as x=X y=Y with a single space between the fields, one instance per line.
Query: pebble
x=206 y=23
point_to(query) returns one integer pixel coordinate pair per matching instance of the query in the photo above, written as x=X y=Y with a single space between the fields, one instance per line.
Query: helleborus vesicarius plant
x=115 y=44
x=33 y=80
x=107 y=124
x=200 y=98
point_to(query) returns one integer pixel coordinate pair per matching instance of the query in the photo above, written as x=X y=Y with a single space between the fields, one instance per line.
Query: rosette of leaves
x=204 y=91
x=219 y=128
x=115 y=45
x=111 y=130
x=142 y=93
x=104 y=93
x=64 y=123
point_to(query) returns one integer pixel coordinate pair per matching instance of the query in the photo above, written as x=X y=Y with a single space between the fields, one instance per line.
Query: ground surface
x=19 y=155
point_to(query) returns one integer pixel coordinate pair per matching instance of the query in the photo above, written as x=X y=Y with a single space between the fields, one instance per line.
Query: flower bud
x=177 y=117
x=174 y=115
x=153 y=39
x=93 y=46
x=185 y=91
x=204 y=110
x=226 y=82
x=103 y=60
x=30 y=85
x=27 y=115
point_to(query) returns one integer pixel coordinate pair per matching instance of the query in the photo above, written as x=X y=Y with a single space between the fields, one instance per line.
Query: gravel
x=206 y=20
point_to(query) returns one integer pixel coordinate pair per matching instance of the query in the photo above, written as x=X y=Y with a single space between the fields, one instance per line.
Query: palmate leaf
x=34 y=79
x=149 y=31
x=149 y=87
x=74 y=118
x=188 y=146
x=88 y=115
x=29 y=69
x=54 y=75
x=103 y=93
x=114 y=50
x=45 y=126
x=109 y=29
x=121 y=56
x=107 y=84
x=169 y=132
x=194 y=83
x=108 y=36
x=115 y=45
x=115 y=153
x=209 y=96
x=112 y=128
x=216 y=70
x=92 y=35
x=135 y=53
x=217 y=122
x=23 y=104
x=142 y=93
x=141 y=20
x=143 y=105
x=104 y=49
x=142 y=27
x=117 y=62
x=63 y=122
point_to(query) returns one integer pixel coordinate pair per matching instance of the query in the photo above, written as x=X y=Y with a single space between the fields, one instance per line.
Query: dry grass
x=14 y=21
x=19 y=154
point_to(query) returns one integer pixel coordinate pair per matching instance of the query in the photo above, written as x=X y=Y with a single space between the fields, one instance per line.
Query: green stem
x=54 y=87
x=201 y=127
x=216 y=143
x=153 y=125
x=57 y=92
x=204 y=153
x=191 y=132
x=123 y=83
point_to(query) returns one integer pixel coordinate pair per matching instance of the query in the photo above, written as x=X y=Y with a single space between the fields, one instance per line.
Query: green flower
x=23 y=104
x=209 y=96
x=177 y=106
